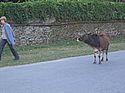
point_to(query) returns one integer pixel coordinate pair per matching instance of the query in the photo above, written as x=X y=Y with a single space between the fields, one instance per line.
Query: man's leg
x=2 y=45
x=14 y=52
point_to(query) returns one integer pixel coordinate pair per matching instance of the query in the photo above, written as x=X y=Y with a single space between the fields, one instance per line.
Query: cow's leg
x=106 y=54
x=99 y=57
x=102 y=55
x=94 y=58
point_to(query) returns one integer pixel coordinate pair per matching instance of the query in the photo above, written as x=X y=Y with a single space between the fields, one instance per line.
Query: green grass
x=60 y=49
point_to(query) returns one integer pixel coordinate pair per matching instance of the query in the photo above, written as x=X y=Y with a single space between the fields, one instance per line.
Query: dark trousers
x=13 y=50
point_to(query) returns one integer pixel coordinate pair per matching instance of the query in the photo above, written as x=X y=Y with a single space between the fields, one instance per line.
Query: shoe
x=16 y=58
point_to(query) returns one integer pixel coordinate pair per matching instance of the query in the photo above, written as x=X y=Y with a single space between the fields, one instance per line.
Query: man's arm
x=9 y=33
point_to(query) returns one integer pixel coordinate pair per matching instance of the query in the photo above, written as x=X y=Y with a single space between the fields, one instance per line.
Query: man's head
x=3 y=20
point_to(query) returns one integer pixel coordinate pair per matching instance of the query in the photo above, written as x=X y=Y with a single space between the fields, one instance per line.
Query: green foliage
x=63 y=10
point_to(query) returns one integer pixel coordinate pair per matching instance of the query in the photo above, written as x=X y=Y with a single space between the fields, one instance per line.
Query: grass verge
x=60 y=49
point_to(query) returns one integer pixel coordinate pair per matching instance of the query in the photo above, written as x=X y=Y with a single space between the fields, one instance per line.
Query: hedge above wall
x=62 y=11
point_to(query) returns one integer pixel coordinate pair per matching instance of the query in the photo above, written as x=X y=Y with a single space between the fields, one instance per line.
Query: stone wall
x=41 y=33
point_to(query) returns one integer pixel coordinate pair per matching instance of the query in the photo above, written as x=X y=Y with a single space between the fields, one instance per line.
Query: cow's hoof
x=106 y=59
x=100 y=63
x=94 y=62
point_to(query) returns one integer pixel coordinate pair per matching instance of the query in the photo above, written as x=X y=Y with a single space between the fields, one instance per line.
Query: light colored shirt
x=3 y=33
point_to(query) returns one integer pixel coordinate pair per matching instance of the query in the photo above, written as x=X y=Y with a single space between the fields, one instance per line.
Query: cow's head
x=83 y=36
x=87 y=37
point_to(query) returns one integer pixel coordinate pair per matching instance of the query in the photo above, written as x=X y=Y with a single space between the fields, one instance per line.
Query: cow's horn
x=85 y=31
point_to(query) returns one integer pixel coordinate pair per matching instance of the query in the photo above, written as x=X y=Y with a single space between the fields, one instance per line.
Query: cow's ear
x=89 y=33
x=96 y=35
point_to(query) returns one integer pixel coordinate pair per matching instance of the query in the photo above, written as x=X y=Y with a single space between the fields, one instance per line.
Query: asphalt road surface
x=69 y=75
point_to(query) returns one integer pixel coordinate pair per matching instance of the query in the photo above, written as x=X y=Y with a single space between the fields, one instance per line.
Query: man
x=7 y=38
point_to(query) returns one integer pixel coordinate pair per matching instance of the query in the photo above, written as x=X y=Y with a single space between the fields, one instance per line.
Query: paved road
x=70 y=75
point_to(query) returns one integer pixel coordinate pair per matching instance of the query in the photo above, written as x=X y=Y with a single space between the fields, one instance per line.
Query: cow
x=98 y=41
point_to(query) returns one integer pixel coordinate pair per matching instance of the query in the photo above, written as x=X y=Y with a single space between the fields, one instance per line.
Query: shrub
x=63 y=11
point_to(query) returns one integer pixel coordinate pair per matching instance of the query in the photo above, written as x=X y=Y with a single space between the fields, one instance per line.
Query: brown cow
x=98 y=41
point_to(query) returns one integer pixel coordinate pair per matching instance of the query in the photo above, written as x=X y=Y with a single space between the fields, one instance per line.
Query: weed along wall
x=45 y=33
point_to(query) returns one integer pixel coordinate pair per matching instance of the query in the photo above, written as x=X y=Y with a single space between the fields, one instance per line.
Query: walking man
x=7 y=38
